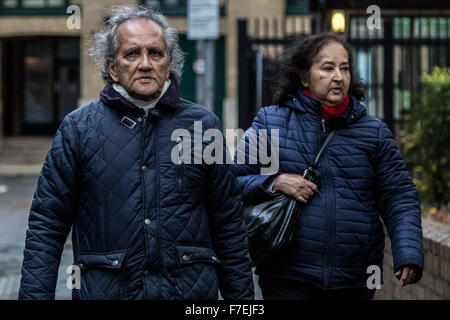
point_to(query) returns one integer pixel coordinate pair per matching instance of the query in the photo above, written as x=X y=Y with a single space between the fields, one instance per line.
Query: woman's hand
x=407 y=274
x=295 y=186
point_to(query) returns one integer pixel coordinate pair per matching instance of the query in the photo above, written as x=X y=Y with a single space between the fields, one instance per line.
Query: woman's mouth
x=336 y=90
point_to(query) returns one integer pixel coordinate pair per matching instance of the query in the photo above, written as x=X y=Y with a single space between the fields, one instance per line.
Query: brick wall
x=435 y=283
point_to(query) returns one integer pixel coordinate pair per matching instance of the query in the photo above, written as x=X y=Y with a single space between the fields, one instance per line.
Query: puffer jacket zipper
x=330 y=213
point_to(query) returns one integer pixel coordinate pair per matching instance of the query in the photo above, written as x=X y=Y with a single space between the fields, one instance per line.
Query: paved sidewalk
x=21 y=156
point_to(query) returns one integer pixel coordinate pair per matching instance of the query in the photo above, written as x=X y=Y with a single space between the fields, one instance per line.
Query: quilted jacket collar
x=168 y=103
x=302 y=103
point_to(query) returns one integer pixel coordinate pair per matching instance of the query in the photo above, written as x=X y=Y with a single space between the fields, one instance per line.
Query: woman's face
x=329 y=77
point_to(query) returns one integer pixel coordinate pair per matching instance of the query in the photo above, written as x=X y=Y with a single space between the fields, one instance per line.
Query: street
x=16 y=193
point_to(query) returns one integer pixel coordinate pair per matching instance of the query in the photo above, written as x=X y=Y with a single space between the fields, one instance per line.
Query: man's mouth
x=145 y=79
x=336 y=90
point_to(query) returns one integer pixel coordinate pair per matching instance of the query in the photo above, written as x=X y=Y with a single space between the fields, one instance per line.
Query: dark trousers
x=283 y=289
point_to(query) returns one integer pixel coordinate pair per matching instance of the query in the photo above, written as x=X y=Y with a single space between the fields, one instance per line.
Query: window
x=35 y=7
x=175 y=7
x=297 y=7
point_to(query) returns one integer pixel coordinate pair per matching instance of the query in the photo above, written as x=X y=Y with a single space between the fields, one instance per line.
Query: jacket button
x=115 y=262
x=147 y=221
x=139 y=119
x=146 y=273
x=214 y=258
x=186 y=258
x=144 y=168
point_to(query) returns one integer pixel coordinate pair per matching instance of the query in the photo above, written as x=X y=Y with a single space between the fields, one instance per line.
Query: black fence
x=390 y=60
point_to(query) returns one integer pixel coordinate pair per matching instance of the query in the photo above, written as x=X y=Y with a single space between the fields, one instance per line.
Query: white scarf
x=145 y=105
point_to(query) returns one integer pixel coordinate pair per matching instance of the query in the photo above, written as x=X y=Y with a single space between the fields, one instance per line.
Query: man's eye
x=156 y=53
x=328 y=68
x=132 y=54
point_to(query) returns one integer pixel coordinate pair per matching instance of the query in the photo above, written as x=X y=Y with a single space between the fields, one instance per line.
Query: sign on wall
x=203 y=19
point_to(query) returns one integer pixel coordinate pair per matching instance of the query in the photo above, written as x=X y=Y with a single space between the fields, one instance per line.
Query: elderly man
x=143 y=227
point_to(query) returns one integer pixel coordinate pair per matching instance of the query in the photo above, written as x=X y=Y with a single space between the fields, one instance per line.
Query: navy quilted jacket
x=363 y=179
x=143 y=227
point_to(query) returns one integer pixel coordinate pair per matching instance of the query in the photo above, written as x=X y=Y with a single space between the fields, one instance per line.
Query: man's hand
x=295 y=186
x=407 y=274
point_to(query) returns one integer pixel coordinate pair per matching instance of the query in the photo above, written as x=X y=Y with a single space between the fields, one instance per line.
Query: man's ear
x=112 y=70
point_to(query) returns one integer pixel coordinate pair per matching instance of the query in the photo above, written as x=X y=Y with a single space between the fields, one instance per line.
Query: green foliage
x=428 y=139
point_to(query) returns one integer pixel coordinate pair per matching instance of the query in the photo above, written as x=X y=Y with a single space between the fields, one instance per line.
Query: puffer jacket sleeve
x=51 y=216
x=254 y=185
x=397 y=200
x=228 y=231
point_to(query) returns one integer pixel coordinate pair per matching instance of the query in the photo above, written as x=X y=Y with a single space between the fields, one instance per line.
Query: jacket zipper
x=331 y=223
x=330 y=214
x=144 y=120
x=158 y=211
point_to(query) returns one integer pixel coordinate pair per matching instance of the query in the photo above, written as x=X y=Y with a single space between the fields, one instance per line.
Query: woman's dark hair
x=296 y=64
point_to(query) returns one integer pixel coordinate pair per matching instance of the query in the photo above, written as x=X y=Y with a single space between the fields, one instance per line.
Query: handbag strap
x=323 y=148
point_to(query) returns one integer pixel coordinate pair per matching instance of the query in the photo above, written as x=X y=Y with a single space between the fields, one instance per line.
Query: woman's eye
x=345 y=68
x=328 y=68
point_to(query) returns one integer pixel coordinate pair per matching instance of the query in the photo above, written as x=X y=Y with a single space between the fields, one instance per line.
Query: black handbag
x=272 y=224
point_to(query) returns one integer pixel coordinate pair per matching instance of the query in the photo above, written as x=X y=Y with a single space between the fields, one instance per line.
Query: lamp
x=338 y=20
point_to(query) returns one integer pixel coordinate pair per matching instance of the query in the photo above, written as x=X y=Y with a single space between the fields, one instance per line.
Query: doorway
x=41 y=83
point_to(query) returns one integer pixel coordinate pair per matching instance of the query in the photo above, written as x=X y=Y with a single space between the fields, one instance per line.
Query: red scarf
x=332 y=112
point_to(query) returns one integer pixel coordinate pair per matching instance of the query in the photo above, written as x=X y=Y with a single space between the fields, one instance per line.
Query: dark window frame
x=181 y=11
x=20 y=10
x=297 y=9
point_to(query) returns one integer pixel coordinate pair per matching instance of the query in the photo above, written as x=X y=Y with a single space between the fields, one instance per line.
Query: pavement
x=16 y=193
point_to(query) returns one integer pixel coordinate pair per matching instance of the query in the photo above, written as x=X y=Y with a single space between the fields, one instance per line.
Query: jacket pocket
x=197 y=276
x=101 y=275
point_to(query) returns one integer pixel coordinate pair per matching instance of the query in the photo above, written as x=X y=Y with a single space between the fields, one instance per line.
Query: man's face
x=329 y=78
x=142 y=63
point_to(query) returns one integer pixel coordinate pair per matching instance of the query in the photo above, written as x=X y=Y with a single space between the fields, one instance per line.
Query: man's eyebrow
x=130 y=49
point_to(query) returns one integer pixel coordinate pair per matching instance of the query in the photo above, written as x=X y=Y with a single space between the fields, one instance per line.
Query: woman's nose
x=337 y=75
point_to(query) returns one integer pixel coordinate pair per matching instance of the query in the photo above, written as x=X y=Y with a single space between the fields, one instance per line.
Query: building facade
x=46 y=72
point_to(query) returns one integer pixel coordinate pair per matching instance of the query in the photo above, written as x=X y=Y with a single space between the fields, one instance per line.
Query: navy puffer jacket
x=364 y=178
x=143 y=227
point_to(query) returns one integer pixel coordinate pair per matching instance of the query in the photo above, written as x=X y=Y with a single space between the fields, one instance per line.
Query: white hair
x=106 y=44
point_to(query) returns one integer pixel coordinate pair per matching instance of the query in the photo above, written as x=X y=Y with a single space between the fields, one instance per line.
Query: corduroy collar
x=168 y=103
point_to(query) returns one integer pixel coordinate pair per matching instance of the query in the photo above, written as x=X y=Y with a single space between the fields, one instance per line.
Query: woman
x=363 y=179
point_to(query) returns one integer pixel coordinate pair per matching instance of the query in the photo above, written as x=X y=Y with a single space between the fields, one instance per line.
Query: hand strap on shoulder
x=323 y=148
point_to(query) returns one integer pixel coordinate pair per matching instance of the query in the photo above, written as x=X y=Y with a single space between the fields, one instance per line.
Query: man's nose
x=145 y=63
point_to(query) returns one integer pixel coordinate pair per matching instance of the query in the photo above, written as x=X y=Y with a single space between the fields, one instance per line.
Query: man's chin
x=144 y=96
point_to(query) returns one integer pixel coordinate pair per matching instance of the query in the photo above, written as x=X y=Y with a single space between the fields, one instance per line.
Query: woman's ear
x=112 y=70
x=304 y=80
